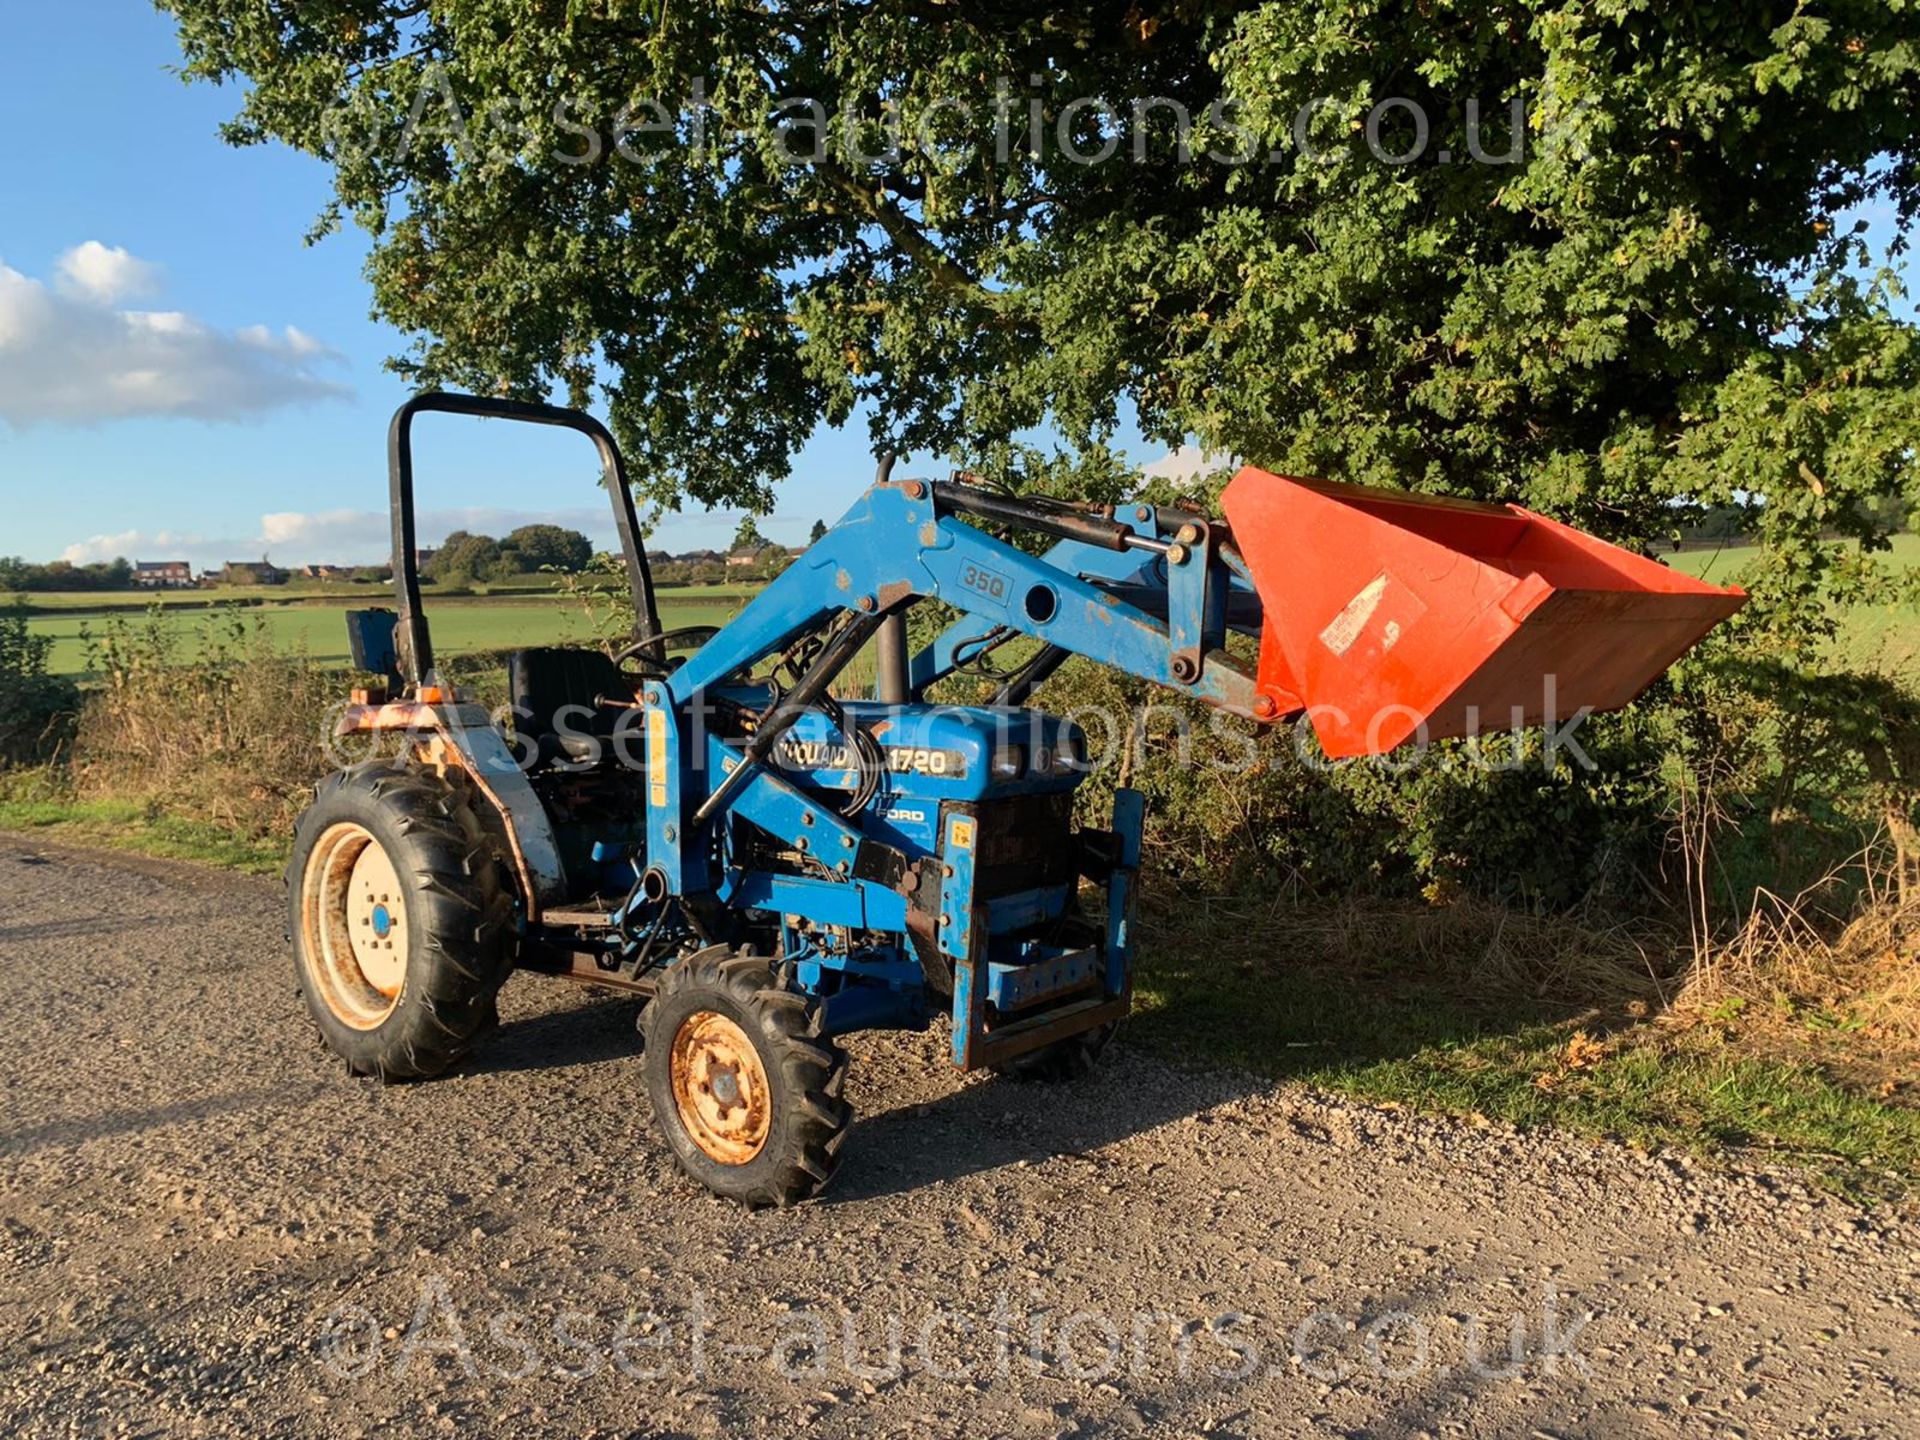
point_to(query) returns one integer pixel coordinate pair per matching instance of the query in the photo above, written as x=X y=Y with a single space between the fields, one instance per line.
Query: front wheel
x=401 y=919
x=746 y=1088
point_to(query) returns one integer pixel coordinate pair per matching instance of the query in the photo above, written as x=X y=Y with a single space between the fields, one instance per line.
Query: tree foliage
x=35 y=706
x=1650 y=291
x=463 y=557
x=747 y=536
x=19 y=574
x=550 y=547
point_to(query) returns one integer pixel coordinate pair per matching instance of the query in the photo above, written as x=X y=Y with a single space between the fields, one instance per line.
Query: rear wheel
x=400 y=917
x=743 y=1083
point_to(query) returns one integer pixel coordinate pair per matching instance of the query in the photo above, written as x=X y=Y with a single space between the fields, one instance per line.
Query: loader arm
x=905 y=541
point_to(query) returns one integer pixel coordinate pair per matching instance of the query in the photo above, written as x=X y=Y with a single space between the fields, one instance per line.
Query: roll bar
x=416 y=649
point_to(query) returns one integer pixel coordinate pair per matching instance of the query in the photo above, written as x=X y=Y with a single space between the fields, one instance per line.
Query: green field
x=315 y=622
x=1879 y=638
x=1883 y=638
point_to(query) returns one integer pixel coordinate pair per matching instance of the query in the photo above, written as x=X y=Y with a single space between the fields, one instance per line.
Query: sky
x=183 y=377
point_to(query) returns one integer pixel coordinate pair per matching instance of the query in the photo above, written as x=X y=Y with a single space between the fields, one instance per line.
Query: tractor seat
x=557 y=697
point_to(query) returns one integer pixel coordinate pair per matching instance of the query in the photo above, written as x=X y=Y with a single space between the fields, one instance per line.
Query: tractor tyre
x=401 y=918
x=747 y=1089
x=1067 y=1059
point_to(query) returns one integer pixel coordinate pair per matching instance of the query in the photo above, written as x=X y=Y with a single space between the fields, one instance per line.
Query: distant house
x=759 y=557
x=162 y=574
x=753 y=555
x=325 y=572
x=424 y=558
x=252 y=572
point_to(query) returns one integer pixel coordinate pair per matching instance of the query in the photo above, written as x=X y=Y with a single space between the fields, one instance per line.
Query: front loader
x=703 y=819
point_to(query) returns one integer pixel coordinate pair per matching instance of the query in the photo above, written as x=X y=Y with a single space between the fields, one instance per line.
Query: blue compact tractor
x=705 y=819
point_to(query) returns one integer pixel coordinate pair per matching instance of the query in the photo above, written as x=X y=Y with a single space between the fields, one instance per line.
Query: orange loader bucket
x=1390 y=615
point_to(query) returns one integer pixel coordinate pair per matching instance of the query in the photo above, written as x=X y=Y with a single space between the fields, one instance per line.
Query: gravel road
x=207 y=1228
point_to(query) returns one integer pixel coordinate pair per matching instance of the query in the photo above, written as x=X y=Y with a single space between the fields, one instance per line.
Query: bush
x=36 y=708
x=1738 y=774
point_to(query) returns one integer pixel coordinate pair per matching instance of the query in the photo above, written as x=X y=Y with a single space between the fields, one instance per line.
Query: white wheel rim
x=354 y=926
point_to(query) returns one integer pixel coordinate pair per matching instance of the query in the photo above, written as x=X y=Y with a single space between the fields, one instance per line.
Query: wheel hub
x=720 y=1088
x=354 y=913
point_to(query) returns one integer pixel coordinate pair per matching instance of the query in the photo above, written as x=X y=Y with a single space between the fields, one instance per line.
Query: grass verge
x=1440 y=1011
x=124 y=825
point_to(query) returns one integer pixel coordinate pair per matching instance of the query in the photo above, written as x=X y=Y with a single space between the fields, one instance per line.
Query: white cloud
x=68 y=356
x=97 y=272
x=154 y=545
x=1186 y=463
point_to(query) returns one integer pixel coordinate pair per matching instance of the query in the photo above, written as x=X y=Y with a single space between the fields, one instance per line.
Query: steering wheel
x=651 y=652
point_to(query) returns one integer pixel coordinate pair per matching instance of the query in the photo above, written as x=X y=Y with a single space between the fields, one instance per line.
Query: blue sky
x=283 y=446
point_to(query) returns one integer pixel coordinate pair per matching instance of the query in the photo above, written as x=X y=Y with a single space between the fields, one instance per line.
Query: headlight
x=1071 y=757
x=1008 y=762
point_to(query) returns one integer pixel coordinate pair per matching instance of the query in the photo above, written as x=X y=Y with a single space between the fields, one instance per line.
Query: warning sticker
x=1380 y=612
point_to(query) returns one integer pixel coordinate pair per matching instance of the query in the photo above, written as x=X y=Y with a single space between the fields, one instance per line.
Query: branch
x=910 y=239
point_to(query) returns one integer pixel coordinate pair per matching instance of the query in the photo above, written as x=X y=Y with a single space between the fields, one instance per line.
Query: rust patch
x=396 y=715
x=720 y=1088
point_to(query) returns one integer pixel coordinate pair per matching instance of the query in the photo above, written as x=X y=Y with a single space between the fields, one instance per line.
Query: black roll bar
x=416 y=649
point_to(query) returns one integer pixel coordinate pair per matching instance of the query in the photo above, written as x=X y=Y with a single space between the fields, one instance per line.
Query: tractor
x=703 y=817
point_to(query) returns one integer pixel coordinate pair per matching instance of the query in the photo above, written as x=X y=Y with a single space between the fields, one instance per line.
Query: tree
x=818 y=533
x=1353 y=261
x=19 y=574
x=550 y=547
x=462 y=558
x=747 y=536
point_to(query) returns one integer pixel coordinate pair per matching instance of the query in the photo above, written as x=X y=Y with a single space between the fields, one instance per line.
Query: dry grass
x=235 y=738
x=1794 y=981
x=1583 y=958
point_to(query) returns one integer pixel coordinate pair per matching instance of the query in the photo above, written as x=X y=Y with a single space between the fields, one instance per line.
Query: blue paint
x=875 y=912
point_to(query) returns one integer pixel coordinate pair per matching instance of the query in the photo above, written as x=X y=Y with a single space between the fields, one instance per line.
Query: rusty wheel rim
x=354 y=923
x=720 y=1088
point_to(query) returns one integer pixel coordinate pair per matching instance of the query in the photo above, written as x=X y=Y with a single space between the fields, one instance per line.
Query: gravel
x=206 y=1227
